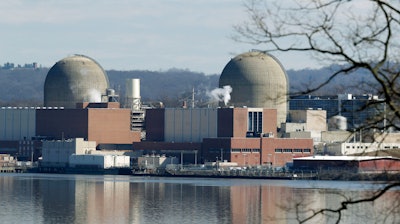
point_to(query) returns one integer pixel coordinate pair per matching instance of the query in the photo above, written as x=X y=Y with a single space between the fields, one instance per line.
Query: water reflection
x=38 y=198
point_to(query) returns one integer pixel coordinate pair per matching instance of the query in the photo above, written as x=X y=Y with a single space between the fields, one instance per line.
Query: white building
x=57 y=153
x=305 y=124
x=347 y=148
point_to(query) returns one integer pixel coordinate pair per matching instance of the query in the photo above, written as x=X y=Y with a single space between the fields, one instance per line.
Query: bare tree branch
x=357 y=35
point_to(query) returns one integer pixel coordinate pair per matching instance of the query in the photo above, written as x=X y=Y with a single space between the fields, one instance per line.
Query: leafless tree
x=354 y=34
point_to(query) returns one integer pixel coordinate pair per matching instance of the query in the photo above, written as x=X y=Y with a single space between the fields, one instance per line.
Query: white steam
x=221 y=94
x=94 y=96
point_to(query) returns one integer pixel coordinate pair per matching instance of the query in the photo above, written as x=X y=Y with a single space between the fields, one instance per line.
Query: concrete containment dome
x=73 y=80
x=257 y=80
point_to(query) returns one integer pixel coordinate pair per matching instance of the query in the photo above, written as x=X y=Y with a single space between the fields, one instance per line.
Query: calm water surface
x=53 y=198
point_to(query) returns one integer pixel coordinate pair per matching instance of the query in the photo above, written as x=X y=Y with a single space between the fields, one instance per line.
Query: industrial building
x=73 y=155
x=246 y=136
x=347 y=110
x=307 y=123
x=104 y=123
x=360 y=148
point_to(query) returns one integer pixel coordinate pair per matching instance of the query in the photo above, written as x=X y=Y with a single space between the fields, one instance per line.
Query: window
x=250 y=122
x=278 y=150
x=307 y=150
x=235 y=150
x=246 y=150
x=256 y=150
x=254 y=123
x=287 y=150
x=297 y=150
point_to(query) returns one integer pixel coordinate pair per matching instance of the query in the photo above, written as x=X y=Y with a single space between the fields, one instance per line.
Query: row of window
x=278 y=150
x=245 y=150
x=292 y=150
x=366 y=147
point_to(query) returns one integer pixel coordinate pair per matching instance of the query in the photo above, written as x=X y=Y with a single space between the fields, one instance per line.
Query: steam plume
x=94 y=96
x=221 y=94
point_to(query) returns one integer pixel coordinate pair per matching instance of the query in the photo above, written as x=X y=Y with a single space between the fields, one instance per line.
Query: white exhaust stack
x=133 y=94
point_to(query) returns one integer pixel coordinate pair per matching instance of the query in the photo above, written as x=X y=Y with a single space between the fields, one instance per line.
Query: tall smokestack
x=133 y=94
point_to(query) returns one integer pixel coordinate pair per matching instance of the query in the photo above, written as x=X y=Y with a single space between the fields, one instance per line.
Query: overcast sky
x=126 y=34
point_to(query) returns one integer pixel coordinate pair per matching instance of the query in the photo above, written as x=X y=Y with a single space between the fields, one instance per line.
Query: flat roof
x=345 y=158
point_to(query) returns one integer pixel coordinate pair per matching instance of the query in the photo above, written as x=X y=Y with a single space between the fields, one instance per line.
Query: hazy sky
x=126 y=34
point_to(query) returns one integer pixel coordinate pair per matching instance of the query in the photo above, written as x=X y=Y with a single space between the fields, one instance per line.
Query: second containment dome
x=258 y=80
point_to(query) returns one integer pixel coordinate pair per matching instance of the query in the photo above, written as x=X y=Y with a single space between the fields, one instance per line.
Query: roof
x=346 y=158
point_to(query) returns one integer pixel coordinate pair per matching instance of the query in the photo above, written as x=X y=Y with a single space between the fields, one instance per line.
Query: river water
x=55 y=198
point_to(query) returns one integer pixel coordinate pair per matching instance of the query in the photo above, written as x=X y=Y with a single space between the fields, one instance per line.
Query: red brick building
x=246 y=136
x=275 y=152
x=104 y=123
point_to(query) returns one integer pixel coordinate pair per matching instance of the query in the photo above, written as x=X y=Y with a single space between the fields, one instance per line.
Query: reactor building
x=75 y=79
x=257 y=80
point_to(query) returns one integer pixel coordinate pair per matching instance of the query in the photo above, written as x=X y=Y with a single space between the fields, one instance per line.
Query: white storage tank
x=337 y=122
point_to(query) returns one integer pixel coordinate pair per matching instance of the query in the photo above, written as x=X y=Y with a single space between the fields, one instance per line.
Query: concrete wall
x=99 y=161
x=293 y=127
x=316 y=120
x=17 y=123
x=387 y=137
x=336 y=136
x=313 y=121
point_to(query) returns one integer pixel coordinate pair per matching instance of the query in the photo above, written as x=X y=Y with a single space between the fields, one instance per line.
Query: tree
x=354 y=34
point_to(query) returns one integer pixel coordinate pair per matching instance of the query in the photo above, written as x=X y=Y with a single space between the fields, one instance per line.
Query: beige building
x=305 y=124
x=387 y=137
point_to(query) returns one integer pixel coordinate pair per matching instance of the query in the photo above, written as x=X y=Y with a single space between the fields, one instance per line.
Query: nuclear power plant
x=252 y=127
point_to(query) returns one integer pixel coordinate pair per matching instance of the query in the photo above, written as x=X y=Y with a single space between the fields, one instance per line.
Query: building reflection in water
x=116 y=199
x=279 y=204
